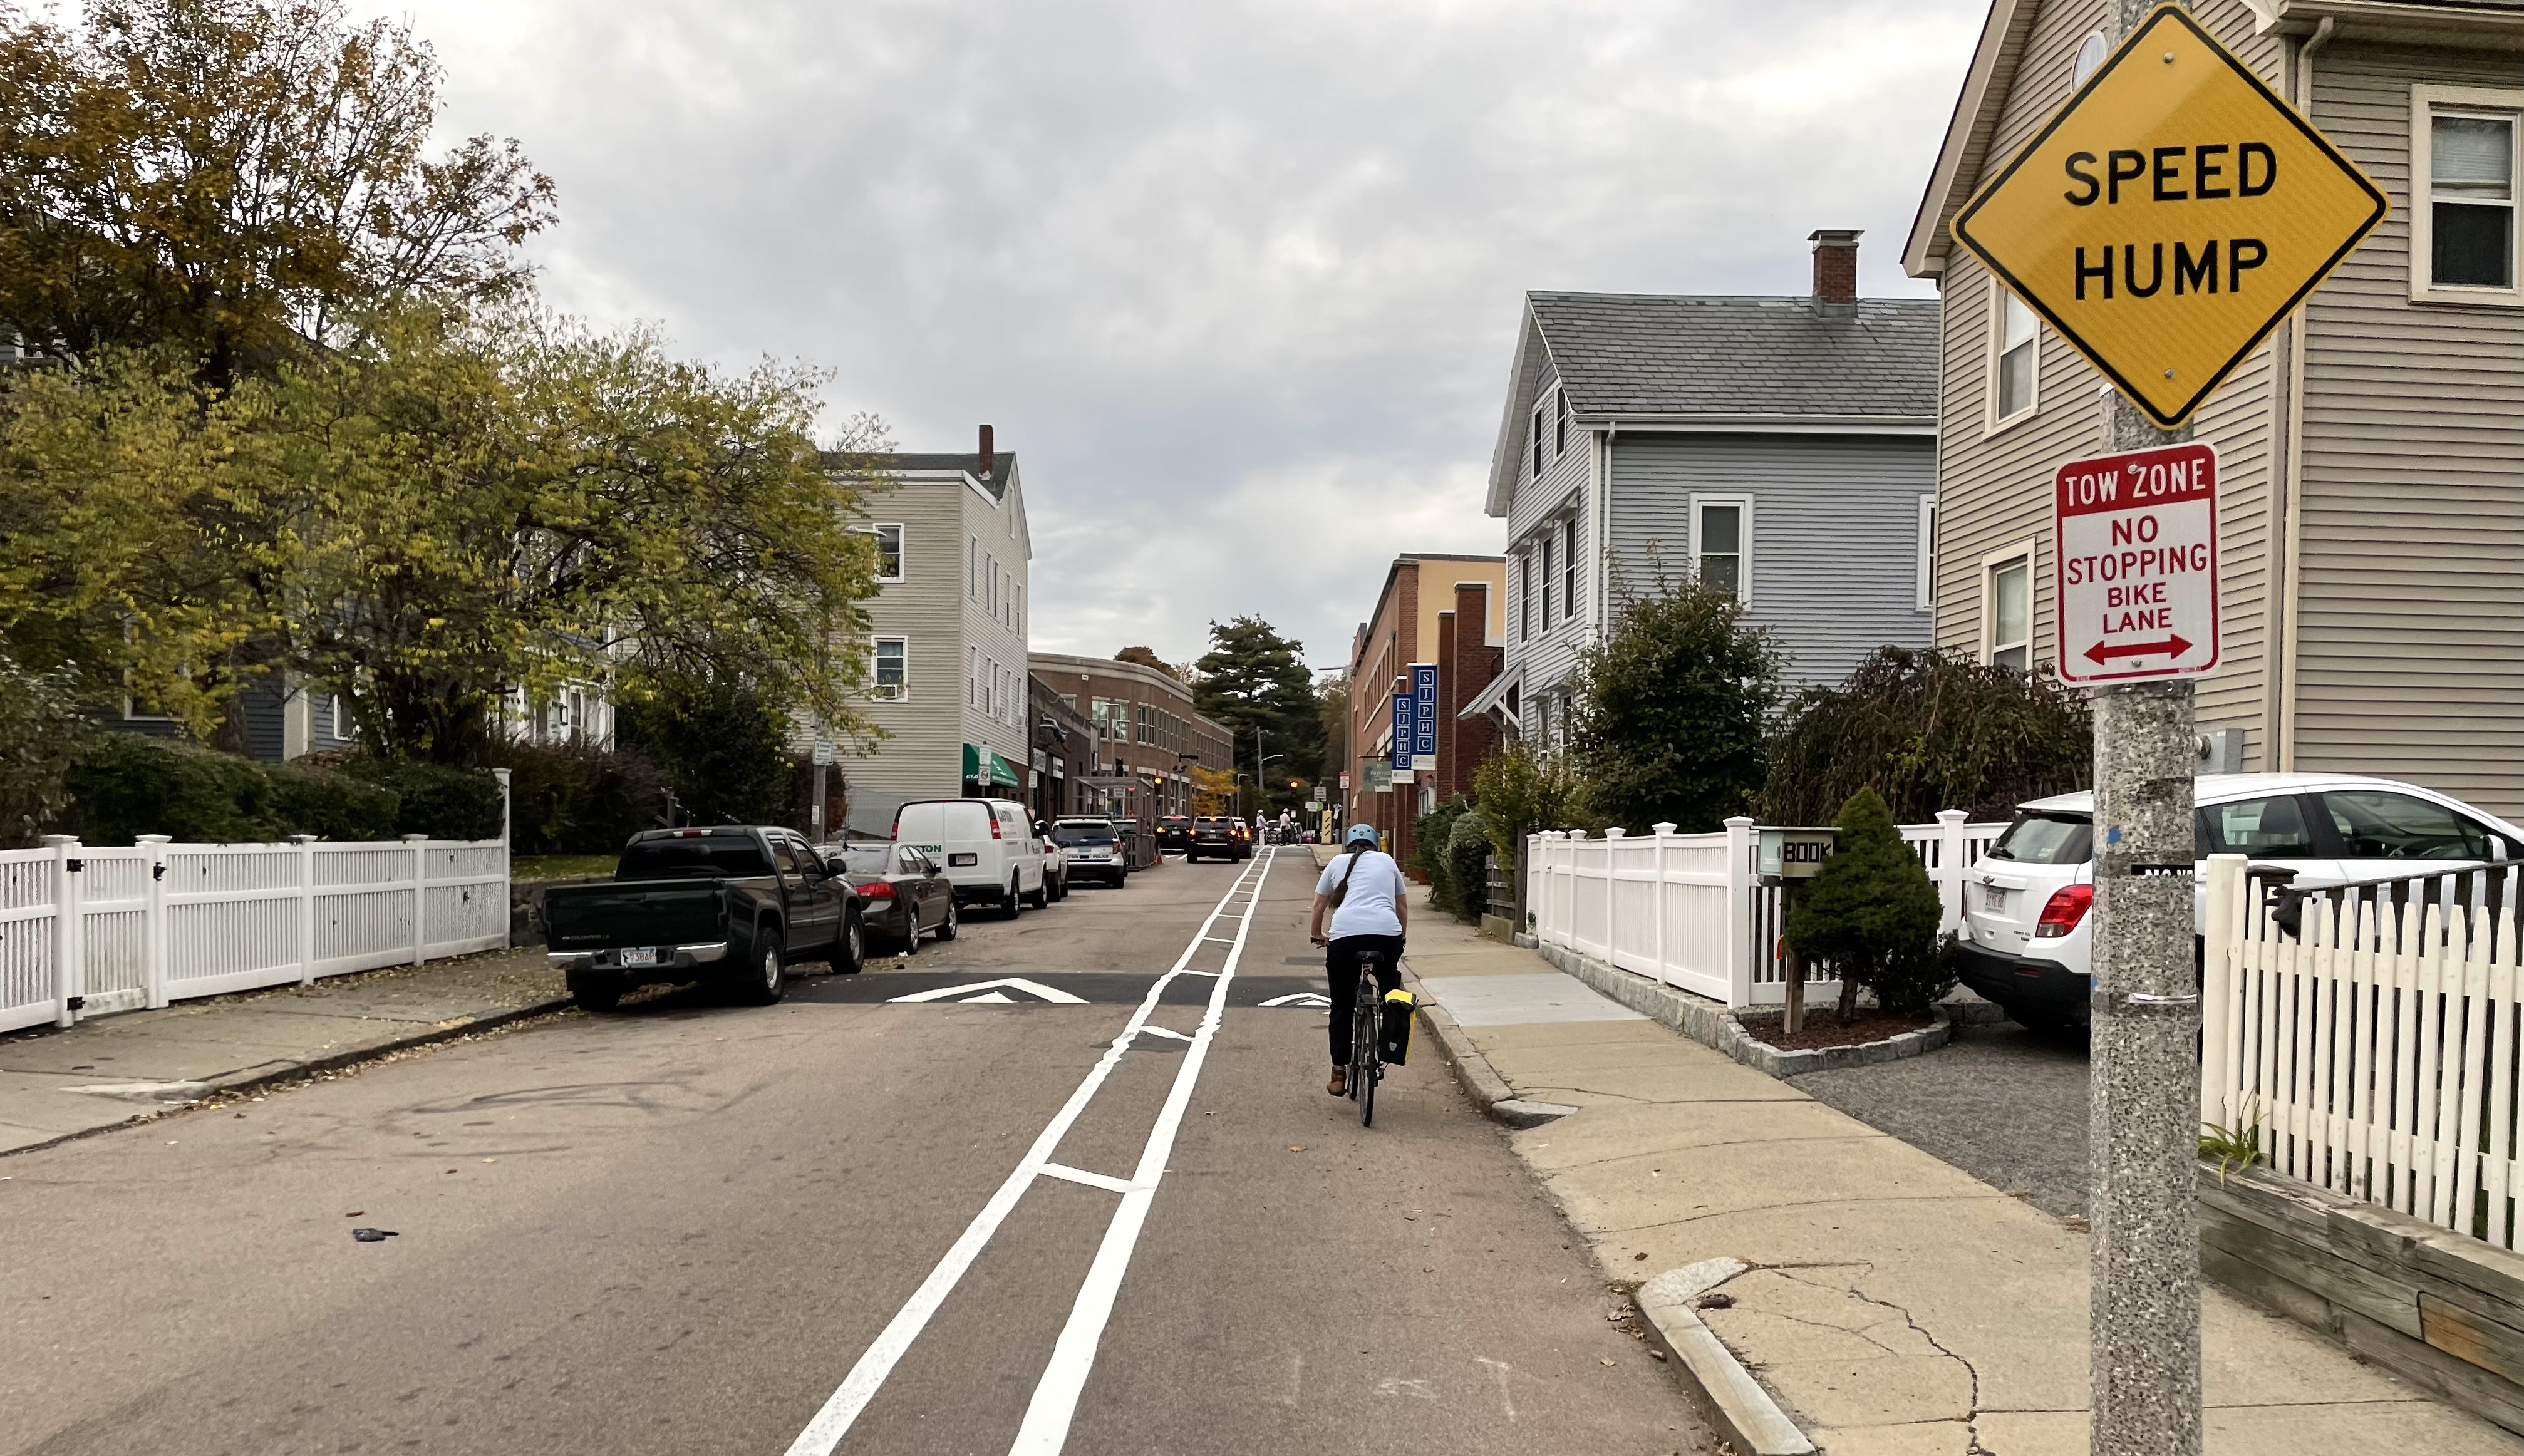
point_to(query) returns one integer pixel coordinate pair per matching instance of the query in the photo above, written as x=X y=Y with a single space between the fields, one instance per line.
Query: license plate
x=958 y=861
x=640 y=955
x=1993 y=899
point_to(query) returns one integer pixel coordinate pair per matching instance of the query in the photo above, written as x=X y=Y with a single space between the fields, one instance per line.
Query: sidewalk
x=1892 y=1304
x=134 y=1066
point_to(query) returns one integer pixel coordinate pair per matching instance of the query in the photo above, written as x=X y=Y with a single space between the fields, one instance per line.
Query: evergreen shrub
x=1872 y=915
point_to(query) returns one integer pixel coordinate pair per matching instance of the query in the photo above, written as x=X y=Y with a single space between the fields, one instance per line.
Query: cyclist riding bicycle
x=1364 y=890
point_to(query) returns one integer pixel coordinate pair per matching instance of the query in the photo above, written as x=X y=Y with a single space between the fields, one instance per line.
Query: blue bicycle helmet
x=1365 y=832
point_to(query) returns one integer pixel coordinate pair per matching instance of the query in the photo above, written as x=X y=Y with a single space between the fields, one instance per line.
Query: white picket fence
x=1690 y=911
x=89 y=930
x=2375 y=1045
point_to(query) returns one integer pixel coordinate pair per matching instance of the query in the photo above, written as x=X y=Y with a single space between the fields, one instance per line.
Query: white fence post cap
x=1663 y=827
x=1616 y=831
x=302 y=839
x=1952 y=816
x=153 y=839
x=1577 y=834
x=57 y=841
x=1742 y=820
x=413 y=839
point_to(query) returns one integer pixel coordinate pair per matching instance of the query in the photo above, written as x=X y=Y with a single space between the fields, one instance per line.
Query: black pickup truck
x=733 y=903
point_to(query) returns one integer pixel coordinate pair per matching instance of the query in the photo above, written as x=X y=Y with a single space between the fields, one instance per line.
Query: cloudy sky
x=1237 y=281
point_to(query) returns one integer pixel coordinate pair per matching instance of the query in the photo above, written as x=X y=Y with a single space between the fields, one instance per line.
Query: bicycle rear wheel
x=1363 y=1049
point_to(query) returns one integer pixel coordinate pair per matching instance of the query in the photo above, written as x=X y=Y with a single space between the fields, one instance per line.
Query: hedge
x=123 y=785
x=577 y=800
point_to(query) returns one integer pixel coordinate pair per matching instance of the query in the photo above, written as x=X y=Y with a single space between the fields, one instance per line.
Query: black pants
x=1340 y=964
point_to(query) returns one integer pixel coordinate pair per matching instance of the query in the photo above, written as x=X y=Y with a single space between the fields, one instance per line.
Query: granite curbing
x=1712 y=1026
x=1734 y=1400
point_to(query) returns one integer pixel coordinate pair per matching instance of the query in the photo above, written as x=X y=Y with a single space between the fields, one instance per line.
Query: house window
x=1560 y=429
x=973 y=567
x=1569 y=568
x=2008 y=609
x=1542 y=413
x=889 y=551
x=991 y=585
x=2463 y=208
x=1547 y=544
x=1524 y=595
x=1927 y=582
x=972 y=678
x=2015 y=357
x=1721 y=544
x=333 y=710
x=889 y=681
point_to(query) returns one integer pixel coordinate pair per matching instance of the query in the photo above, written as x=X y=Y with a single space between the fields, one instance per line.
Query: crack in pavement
x=1799 y=1203
x=1971 y=1416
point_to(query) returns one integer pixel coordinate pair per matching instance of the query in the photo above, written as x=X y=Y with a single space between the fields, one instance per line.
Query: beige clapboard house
x=949 y=628
x=2373 y=452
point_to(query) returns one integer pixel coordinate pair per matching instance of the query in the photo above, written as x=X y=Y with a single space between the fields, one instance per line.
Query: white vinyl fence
x=2371 y=1033
x=86 y=930
x=1689 y=910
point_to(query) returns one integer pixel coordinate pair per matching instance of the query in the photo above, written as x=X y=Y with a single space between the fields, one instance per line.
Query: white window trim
x=1568 y=576
x=2425 y=101
x=1927 y=576
x=2029 y=552
x=901 y=553
x=1993 y=422
x=1743 y=499
x=876 y=692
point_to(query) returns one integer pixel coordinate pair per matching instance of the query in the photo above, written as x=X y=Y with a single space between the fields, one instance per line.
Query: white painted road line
x=1168 y=1033
x=1013 y=983
x=1073 y=1358
x=824 y=1432
x=1106 y=1182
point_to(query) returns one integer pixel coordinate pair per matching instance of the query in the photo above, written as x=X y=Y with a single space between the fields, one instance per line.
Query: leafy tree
x=40 y=734
x=234 y=178
x=1213 y=790
x=1430 y=834
x=1670 y=708
x=1928 y=732
x=1146 y=657
x=1252 y=677
x=436 y=511
x=1872 y=913
x=1523 y=790
x=723 y=745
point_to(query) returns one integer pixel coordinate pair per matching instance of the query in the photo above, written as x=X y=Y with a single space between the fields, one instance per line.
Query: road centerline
x=833 y=1421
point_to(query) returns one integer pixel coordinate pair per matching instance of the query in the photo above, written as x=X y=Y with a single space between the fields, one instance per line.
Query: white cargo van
x=987 y=846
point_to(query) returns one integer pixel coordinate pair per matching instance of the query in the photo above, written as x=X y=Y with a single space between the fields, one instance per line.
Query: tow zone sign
x=2135 y=560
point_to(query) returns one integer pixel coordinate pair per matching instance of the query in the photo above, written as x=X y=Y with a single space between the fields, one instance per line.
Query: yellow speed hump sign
x=2170 y=215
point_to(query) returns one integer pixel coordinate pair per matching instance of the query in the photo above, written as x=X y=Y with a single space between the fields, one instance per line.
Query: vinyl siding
x=1835 y=533
x=2411 y=632
x=1001 y=526
x=923 y=754
x=1548 y=658
x=1993 y=485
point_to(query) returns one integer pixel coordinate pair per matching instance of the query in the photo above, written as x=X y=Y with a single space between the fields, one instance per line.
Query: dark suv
x=1216 y=836
x=1174 y=832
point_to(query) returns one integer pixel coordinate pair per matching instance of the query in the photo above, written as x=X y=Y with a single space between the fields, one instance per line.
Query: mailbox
x=1794 y=854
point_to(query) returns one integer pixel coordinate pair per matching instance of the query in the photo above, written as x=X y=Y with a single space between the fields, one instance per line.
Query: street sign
x=1403 y=725
x=2170 y=215
x=2135 y=562
x=1424 y=720
x=1379 y=776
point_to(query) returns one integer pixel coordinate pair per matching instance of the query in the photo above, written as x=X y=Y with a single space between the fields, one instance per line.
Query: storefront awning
x=985 y=766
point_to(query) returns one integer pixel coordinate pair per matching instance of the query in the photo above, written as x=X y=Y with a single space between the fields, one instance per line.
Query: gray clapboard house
x=2372 y=452
x=1784 y=448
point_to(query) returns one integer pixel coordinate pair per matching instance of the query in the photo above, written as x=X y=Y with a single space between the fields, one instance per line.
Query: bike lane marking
x=823 y=1434
x=1045 y=1429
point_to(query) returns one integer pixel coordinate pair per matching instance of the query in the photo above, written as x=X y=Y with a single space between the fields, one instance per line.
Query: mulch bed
x=1825 y=1028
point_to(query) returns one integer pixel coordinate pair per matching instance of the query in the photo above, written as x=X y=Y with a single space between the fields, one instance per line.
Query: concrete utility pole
x=2145 y=1128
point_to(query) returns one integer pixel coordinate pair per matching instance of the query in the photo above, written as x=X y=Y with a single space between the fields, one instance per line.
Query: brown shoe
x=1339 y=1085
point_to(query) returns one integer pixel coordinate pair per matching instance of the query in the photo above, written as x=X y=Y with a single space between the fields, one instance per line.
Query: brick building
x=1446 y=610
x=1142 y=722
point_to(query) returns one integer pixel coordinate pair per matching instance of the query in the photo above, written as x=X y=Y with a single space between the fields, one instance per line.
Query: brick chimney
x=991 y=456
x=1835 y=266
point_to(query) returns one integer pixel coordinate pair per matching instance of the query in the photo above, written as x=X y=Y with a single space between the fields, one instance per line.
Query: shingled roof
x=1722 y=362
x=1004 y=466
x=1659 y=355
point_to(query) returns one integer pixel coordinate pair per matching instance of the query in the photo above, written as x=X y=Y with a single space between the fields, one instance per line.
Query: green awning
x=985 y=766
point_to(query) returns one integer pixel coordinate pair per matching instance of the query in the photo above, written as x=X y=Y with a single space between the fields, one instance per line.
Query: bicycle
x=1366 y=1039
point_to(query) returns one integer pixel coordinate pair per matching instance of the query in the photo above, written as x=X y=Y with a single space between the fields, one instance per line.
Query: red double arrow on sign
x=2174 y=645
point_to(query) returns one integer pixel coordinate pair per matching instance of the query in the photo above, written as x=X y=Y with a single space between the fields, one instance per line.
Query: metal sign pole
x=2143 y=1134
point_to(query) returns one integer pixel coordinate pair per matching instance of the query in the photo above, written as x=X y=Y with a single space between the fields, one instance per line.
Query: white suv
x=2027 y=943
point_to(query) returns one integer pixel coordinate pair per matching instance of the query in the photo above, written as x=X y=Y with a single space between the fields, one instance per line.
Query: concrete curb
x=265 y=1076
x=1742 y=1411
x=1488 y=1088
x=1712 y=1026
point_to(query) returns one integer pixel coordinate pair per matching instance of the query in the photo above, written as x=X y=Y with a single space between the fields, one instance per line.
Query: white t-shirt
x=1367 y=908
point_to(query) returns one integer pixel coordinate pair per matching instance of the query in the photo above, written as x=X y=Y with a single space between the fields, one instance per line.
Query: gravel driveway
x=2004 y=1104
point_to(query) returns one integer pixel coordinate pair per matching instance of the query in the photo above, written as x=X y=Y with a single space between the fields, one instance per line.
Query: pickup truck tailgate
x=639 y=912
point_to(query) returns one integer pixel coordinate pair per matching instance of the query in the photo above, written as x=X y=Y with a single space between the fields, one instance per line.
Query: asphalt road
x=690 y=1227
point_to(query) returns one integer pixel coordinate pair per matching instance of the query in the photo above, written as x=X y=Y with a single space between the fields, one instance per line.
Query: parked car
x=988 y=848
x=1174 y=832
x=1214 y=837
x=2027 y=941
x=734 y=903
x=1244 y=835
x=902 y=892
x=1055 y=863
x=1097 y=849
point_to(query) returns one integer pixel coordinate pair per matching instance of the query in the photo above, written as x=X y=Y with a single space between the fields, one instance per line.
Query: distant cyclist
x=1363 y=890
